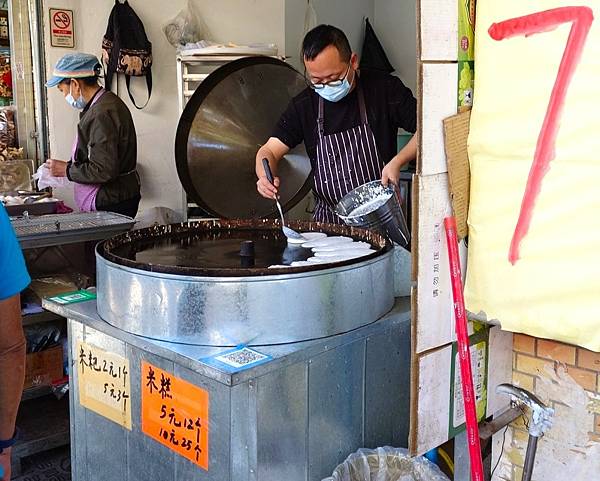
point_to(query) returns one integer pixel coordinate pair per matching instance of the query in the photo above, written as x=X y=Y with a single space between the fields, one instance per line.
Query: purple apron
x=85 y=194
x=345 y=161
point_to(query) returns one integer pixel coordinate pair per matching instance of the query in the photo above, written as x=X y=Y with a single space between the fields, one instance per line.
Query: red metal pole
x=464 y=353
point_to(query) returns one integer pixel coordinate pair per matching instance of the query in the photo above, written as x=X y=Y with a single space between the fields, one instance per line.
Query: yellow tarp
x=553 y=290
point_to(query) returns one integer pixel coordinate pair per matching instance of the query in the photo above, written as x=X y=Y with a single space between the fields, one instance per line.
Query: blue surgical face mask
x=79 y=103
x=335 y=93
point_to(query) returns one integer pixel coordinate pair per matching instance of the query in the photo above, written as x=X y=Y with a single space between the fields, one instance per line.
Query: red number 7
x=582 y=18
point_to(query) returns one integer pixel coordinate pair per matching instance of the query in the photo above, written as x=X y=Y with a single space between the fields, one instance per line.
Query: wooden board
x=434 y=321
x=437 y=413
x=433 y=401
x=499 y=369
x=439 y=86
x=438 y=30
x=435 y=388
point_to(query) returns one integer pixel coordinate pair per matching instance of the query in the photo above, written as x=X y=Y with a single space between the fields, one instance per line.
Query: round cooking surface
x=215 y=248
x=231 y=114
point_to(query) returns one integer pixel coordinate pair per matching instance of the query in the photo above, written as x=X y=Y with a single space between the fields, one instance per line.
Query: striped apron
x=345 y=160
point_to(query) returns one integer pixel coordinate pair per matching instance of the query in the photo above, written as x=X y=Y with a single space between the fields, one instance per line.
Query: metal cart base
x=292 y=418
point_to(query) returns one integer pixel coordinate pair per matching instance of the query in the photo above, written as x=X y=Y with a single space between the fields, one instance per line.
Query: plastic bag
x=310 y=18
x=310 y=22
x=46 y=179
x=157 y=216
x=185 y=28
x=386 y=464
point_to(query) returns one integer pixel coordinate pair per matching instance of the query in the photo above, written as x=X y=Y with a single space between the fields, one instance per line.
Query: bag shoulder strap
x=148 y=86
x=111 y=35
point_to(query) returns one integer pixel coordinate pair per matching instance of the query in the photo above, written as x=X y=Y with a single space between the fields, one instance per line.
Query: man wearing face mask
x=348 y=120
x=104 y=154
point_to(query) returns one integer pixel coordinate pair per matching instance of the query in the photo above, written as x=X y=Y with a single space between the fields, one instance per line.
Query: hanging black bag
x=373 y=55
x=126 y=48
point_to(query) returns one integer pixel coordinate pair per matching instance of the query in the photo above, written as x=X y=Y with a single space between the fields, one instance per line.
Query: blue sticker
x=237 y=359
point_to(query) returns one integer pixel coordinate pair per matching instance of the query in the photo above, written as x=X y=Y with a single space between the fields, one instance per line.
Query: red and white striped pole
x=464 y=354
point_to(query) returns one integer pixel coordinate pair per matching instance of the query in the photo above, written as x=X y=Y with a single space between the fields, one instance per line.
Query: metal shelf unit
x=43 y=420
x=43 y=425
x=192 y=70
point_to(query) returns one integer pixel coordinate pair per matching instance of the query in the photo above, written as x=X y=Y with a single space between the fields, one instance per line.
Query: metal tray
x=60 y=229
x=37 y=208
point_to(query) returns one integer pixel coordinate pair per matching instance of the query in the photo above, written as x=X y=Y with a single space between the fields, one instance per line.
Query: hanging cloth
x=373 y=55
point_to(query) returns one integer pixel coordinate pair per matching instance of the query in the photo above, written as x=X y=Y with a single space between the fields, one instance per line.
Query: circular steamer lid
x=231 y=114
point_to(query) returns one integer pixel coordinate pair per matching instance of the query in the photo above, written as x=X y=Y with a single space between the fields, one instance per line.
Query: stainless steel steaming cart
x=287 y=371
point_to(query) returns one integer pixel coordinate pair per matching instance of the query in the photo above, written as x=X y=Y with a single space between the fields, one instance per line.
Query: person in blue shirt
x=13 y=279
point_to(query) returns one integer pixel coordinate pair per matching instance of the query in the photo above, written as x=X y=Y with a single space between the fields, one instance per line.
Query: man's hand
x=266 y=189
x=5 y=464
x=391 y=172
x=58 y=168
x=273 y=150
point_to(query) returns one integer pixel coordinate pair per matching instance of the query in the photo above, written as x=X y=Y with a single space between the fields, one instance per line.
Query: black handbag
x=126 y=49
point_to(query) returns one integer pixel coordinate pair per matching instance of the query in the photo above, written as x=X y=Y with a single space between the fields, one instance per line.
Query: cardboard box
x=43 y=287
x=466 y=30
x=466 y=84
x=41 y=368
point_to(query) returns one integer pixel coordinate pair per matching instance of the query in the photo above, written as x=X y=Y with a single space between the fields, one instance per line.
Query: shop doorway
x=23 y=118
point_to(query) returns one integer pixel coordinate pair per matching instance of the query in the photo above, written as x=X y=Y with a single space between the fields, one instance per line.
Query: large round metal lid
x=231 y=114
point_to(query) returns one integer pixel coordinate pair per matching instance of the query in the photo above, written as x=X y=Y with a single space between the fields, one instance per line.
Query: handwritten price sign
x=534 y=235
x=175 y=413
x=104 y=383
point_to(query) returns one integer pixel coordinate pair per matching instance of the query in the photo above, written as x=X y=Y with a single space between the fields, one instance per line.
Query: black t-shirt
x=390 y=105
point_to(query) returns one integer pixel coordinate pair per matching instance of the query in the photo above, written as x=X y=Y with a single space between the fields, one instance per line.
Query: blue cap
x=74 y=65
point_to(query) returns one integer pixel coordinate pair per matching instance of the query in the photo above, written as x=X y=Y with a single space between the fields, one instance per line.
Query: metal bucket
x=365 y=207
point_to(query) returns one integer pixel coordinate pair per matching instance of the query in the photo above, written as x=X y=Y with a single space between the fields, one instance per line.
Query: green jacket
x=106 y=151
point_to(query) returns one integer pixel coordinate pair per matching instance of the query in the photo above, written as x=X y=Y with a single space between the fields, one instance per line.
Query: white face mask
x=78 y=103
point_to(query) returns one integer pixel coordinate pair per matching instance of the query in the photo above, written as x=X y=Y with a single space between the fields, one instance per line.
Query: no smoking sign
x=61 y=28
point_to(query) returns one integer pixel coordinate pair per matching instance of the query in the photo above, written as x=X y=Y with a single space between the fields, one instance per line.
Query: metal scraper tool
x=289 y=233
